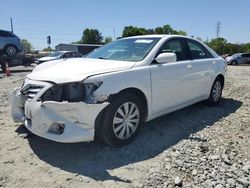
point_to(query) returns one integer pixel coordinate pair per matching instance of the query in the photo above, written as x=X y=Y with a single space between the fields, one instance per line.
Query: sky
x=65 y=20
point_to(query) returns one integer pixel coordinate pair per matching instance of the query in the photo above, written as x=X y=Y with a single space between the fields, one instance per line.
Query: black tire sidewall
x=234 y=63
x=3 y=67
x=108 y=135
x=211 y=98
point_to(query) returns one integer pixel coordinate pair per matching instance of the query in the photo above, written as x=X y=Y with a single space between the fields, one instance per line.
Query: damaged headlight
x=90 y=89
x=72 y=92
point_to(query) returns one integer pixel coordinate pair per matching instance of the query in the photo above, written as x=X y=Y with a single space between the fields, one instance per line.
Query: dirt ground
x=27 y=160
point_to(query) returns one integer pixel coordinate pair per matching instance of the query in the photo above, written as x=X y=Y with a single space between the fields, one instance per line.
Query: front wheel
x=122 y=120
x=216 y=92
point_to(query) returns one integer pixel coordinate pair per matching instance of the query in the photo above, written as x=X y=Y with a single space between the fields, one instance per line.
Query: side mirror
x=166 y=58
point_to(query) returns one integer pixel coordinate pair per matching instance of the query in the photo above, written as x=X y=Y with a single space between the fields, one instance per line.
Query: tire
x=216 y=92
x=10 y=50
x=122 y=120
x=3 y=67
x=234 y=63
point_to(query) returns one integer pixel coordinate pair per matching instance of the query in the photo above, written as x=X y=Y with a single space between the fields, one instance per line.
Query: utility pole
x=114 y=32
x=11 y=25
x=218 y=27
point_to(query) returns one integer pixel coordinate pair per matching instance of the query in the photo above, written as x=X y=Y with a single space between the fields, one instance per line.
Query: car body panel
x=77 y=69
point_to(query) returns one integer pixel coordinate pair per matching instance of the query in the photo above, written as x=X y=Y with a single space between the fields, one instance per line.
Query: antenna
x=11 y=25
x=218 y=27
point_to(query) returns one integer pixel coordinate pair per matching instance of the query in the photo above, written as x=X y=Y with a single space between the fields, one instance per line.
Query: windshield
x=236 y=55
x=133 y=49
x=55 y=54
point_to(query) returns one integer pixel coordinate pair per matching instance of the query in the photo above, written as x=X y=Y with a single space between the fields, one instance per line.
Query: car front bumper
x=44 y=118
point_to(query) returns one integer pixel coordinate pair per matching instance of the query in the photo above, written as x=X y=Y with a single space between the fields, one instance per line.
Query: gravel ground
x=198 y=146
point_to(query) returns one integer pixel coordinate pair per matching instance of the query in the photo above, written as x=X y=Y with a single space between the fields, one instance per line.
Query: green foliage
x=27 y=46
x=166 y=29
x=48 y=49
x=221 y=46
x=77 y=42
x=91 y=36
x=132 y=31
x=107 y=40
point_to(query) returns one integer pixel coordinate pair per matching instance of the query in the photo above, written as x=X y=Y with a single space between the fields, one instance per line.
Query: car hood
x=47 y=58
x=77 y=69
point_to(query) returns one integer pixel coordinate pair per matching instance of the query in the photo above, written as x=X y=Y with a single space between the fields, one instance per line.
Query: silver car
x=238 y=58
x=10 y=44
x=59 y=55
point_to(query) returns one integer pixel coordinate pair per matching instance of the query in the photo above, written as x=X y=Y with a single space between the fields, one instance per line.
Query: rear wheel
x=10 y=50
x=122 y=120
x=234 y=63
x=216 y=92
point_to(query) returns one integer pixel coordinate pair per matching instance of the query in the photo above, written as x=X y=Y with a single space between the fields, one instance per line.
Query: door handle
x=189 y=66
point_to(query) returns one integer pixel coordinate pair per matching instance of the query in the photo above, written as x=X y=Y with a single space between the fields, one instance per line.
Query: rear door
x=245 y=58
x=202 y=68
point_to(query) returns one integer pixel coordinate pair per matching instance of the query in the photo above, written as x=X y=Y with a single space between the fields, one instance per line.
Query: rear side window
x=245 y=55
x=6 y=34
x=197 y=51
x=175 y=46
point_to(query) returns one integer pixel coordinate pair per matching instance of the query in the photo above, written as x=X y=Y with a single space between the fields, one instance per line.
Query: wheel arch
x=139 y=94
x=222 y=78
x=132 y=90
x=9 y=45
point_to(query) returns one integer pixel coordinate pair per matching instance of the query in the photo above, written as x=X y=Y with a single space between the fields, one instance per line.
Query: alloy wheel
x=217 y=91
x=126 y=120
x=11 y=50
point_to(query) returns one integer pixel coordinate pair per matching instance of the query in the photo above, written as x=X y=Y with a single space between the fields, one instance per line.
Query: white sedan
x=117 y=87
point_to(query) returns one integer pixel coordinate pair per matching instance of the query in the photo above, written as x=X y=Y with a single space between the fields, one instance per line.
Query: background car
x=239 y=58
x=59 y=55
x=10 y=44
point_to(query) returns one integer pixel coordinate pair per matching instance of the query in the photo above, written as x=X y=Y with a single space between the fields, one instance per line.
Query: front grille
x=30 y=91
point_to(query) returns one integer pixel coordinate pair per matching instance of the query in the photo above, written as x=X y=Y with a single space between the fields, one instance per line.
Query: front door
x=171 y=81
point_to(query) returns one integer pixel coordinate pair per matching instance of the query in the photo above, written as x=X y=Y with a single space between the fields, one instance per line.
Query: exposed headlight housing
x=72 y=92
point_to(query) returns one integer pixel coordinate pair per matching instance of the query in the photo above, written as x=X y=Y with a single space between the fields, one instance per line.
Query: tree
x=107 y=40
x=132 y=31
x=48 y=49
x=91 y=36
x=166 y=29
x=27 y=46
x=218 y=45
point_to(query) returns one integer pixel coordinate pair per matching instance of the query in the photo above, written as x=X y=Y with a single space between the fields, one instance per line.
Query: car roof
x=5 y=31
x=160 y=36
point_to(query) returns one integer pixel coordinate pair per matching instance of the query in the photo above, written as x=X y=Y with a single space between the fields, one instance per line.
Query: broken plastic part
x=57 y=128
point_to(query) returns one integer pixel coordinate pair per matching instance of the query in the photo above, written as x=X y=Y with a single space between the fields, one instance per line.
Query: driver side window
x=175 y=46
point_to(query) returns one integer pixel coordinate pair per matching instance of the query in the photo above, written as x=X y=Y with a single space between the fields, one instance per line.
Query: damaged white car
x=116 y=88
